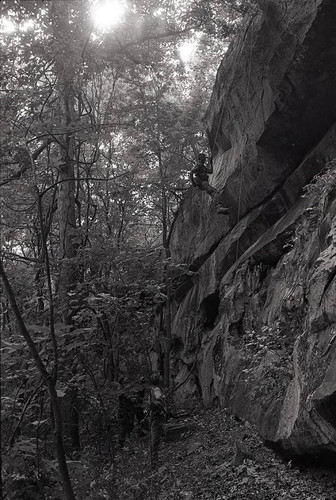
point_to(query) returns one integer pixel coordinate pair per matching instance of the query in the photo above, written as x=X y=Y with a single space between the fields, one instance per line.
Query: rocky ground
x=217 y=458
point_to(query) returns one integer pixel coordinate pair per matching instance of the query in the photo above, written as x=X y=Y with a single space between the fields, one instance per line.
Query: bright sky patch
x=7 y=26
x=108 y=13
x=187 y=50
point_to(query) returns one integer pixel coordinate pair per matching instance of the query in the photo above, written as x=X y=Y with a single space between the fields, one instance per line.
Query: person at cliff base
x=157 y=416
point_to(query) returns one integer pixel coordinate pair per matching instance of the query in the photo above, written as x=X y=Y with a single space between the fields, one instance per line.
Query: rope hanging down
x=238 y=54
x=241 y=163
x=245 y=100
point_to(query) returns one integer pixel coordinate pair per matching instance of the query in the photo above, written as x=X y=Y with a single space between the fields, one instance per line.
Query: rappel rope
x=241 y=166
x=245 y=110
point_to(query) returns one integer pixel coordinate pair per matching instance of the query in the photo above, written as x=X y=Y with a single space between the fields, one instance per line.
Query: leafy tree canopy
x=100 y=125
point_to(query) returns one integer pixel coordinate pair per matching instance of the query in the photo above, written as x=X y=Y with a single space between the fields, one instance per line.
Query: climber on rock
x=199 y=176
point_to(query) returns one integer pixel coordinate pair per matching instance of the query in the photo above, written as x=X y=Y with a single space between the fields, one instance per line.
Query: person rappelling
x=199 y=177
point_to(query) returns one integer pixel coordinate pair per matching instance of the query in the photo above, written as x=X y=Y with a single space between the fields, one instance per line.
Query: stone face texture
x=256 y=314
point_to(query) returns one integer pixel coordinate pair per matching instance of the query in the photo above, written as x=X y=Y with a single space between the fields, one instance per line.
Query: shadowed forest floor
x=204 y=464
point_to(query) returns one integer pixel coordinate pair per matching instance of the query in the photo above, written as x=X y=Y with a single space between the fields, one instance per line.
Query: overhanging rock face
x=259 y=310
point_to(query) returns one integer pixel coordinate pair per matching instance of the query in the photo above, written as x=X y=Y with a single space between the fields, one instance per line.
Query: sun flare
x=108 y=13
x=7 y=26
x=187 y=50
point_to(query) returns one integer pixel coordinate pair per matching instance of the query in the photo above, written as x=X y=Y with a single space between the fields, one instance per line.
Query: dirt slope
x=206 y=464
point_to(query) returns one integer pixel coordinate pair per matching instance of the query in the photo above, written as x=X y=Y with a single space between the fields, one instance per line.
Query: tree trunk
x=67 y=213
x=68 y=251
x=48 y=380
x=166 y=273
x=70 y=415
x=168 y=321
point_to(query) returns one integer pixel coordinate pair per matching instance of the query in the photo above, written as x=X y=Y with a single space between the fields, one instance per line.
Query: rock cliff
x=254 y=315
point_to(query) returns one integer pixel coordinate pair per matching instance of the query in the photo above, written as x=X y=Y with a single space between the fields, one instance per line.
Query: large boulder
x=255 y=315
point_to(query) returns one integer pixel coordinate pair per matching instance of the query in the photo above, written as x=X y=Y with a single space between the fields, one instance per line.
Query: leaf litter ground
x=218 y=458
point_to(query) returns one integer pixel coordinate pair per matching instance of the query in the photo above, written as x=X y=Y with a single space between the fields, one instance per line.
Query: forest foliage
x=100 y=126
